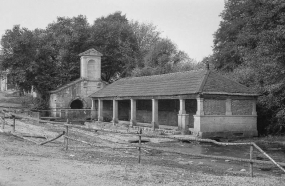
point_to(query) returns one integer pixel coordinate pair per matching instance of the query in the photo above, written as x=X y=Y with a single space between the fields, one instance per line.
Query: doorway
x=76 y=104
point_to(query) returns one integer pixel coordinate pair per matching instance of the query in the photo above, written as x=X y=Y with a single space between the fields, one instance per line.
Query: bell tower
x=90 y=65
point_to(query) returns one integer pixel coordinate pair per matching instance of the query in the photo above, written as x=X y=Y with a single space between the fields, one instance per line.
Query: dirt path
x=25 y=164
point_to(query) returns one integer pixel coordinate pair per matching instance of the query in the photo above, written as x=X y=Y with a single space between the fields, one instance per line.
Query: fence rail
x=140 y=146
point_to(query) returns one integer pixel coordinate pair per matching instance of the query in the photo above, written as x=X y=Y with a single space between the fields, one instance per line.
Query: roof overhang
x=229 y=94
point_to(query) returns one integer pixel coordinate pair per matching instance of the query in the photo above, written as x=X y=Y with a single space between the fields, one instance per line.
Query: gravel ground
x=26 y=164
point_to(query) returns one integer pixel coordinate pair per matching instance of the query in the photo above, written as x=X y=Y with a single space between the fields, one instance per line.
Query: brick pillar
x=133 y=121
x=254 y=108
x=229 y=107
x=183 y=118
x=155 y=114
x=200 y=106
x=100 y=110
x=115 y=111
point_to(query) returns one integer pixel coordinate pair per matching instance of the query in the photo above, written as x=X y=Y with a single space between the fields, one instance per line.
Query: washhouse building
x=201 y=102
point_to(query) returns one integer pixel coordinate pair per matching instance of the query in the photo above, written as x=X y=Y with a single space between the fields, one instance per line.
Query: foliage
x=250 y=44
x=114 y=38
x=48 y=58
x=44 y=59
x=146 y=37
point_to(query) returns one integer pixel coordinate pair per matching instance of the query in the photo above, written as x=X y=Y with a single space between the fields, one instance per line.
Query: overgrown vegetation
x=250 y=47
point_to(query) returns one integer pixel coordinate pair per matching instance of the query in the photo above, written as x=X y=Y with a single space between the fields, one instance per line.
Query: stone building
x=74 y=95
x=3 y=76
x=203 y=102
x=3 y=81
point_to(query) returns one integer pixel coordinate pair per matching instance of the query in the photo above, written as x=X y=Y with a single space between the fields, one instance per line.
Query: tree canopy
x=48 y=58
x=250 y=44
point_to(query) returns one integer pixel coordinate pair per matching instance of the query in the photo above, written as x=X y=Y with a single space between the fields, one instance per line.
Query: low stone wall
x=242 y=125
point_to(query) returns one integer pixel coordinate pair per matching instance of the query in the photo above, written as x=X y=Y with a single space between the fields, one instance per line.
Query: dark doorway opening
x=76 y=104
x=124 y=108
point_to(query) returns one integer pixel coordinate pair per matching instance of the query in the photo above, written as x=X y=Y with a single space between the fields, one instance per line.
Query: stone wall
x=241 y=107
x=206 y=126
x=214 y=107
x=77 y=90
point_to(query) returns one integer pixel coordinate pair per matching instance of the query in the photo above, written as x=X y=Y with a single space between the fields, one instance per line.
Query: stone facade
x=226 y=117
x=77 y=90
x=3 y=81
x=3 y=76
x=75 y=95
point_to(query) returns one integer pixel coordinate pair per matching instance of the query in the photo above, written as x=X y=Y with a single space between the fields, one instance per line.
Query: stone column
x=133 y=121
x=229 y=107
x=200 y=106
x=183 y=118
x=100 y=110
x=254 y=107
x=155 y=114
x=93 y=109
x=115 y=111
x=182 y=106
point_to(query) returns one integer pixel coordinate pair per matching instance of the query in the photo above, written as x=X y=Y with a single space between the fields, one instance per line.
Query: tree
x=146 y=36
x=114 y=38
x=164 y=57
x=45 y=58
x=18 y=52
x=250 y=43
x=68 y=37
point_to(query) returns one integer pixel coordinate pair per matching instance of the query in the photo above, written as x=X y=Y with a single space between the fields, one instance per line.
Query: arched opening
x=76 y=104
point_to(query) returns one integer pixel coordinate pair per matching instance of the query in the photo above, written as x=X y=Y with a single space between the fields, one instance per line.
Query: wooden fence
x=140 y=146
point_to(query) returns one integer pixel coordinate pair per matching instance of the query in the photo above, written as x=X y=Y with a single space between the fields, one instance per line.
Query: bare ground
x=24 y=163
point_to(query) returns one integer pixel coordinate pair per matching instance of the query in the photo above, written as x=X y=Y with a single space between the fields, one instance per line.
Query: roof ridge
x=204 y=80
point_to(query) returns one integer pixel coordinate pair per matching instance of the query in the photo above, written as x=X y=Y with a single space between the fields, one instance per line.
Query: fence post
x=140 y=141
x=3 y=124
x=66 y=135
x=14 y=123
x=251 y=163
x=38 y=117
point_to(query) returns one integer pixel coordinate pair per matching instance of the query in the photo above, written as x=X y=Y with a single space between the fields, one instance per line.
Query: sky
x=190 y=24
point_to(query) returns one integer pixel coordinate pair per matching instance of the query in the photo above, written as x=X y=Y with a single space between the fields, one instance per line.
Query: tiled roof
x=181 y=83
x=220 y=84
